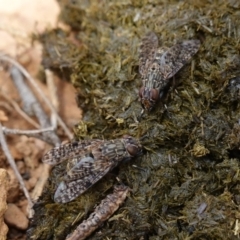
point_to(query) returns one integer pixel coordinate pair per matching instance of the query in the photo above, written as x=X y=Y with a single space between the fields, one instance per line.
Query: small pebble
x=15 y=217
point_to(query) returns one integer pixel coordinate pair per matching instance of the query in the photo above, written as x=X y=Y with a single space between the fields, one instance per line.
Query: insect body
x=157 y=65
x=88 y=162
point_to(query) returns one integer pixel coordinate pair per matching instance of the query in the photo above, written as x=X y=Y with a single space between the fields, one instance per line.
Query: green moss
x=60 y=53
x=186 y=185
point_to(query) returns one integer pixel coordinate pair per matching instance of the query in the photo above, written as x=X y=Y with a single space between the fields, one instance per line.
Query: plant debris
x=187 y=184
x=102 y=212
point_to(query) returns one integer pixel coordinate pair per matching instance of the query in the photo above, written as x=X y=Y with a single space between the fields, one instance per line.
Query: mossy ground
x=187 y=184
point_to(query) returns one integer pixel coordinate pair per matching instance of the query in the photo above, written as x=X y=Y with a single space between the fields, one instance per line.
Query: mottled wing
x=147 y=52
x=66 y=151
x=173 y=59
x=80 y=167
x=82 y=176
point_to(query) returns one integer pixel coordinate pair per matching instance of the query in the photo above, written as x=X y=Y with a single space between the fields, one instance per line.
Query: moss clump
x=186 y=185
x=60 y=53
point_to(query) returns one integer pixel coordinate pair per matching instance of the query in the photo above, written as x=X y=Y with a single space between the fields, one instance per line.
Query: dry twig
x=30 y=133
x=53 y=95
x=14 y=167
x=32 y=106
x=37 y=191
x=19 y=110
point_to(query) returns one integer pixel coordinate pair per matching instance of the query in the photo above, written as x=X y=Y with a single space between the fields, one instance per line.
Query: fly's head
x=148 y=97
x=132 y=145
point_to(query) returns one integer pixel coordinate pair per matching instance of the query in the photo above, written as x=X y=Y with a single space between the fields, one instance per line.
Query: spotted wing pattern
x=157 y=65
x=147 y=52
x=171 y=60
x=65 y=151
x=90 y=163
x=69 y=188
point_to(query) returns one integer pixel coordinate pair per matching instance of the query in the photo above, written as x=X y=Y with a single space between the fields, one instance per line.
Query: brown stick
x=32 y=105
x=53 y=95
x=14 y=167
x=19 y=110
x=30 y=133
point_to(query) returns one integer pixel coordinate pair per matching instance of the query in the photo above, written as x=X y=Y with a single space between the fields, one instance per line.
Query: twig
x=28 y=99
x=14 y=167
x=30 y=133
x=19 y=110
x=53 y=95
x=32 y=105
x=37 y=191
x=34 y=84
x=6 y=105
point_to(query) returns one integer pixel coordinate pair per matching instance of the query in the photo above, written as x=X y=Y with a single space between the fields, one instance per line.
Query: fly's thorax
x=153 y=75
x=114 y=149
x=110 y=150
x=120 y=149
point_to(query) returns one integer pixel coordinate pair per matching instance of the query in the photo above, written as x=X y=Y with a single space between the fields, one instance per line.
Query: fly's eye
x=133 y=150
x=141 y=92
x=154 y=95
